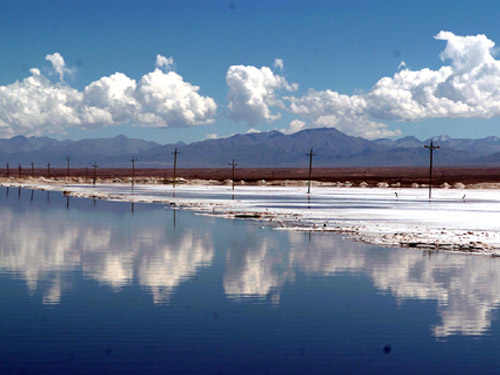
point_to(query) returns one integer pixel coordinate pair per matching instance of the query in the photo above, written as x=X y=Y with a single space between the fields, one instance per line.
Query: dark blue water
x=101 y=287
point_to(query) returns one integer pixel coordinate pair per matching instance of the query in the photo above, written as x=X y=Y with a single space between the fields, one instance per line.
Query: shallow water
x=105 y=287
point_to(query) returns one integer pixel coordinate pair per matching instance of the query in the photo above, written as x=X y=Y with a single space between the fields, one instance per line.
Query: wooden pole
x=95 y=168
x=133 y=160
x=233 y=164
x=19 y=170
x=48 y=170
x=8 y=170
x=310 y=154
x=431 y=149
x=175 y=153
x=68 y=160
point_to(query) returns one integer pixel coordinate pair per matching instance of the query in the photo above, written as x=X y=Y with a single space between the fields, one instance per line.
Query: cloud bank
x=36 y=105
x=468 y=86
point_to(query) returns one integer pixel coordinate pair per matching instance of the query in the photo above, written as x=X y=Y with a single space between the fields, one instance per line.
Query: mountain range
x=331 y=147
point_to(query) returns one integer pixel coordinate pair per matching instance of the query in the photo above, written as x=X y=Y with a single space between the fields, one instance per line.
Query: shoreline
x=378 y=216
x=167 y=181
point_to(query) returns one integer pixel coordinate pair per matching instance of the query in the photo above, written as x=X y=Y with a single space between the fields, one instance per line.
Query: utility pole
x=95 y=168
x=233 y=164
x=175 y=153
x=8 y=171
x=133 y=160
x=48 y=169
x=431 y=149
x=86 y=173
x=68 y=160
x=19 y=170
x=310 y=154
x=32 y=170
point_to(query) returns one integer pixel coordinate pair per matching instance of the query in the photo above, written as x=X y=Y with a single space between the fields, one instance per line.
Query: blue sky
x=339 y=47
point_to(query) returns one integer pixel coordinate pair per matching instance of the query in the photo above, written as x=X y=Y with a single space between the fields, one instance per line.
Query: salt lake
x=92 y=286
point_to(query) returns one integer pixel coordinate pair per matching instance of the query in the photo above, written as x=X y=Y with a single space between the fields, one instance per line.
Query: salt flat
x=455 y=220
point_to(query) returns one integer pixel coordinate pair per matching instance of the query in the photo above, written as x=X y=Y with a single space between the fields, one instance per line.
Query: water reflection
x=112 y=251
x=465 y=287
x=149 y=247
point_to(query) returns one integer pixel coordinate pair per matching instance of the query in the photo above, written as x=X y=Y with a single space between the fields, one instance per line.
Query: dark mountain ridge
x=266 y=149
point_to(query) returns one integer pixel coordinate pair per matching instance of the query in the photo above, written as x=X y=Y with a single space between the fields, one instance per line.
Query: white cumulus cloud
x=166 y=63
x=211 y=136
x=469 y=87
x=253 y=131
x=167 y=100
x=349 y=114
x=252 y=93
x=36 y=106
x=58 y=64
x=278 y=64
x=295 y=126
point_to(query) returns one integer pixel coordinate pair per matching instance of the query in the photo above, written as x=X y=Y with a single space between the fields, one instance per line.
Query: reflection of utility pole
x=175 y=153
x=8 y=171
x=48 y=170
x=68 y=160
x=95 y=168
x=133 y=160
x=19 y=170
x=431 y=149
x=310 y=154
x=32 y=170
x=233 y=164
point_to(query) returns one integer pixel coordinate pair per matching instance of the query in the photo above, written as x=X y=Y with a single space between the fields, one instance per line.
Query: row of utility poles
x=68 y=169
x=233 y=165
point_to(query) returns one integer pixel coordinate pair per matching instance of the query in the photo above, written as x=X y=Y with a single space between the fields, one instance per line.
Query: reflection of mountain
x=35 y=248
x=465 y=287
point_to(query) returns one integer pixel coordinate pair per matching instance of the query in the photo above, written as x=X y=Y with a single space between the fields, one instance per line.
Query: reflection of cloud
x=35 y=248
x=164 y=270
x=258 y=264
x=255 y=271
x=31 y=248
x=464 y=287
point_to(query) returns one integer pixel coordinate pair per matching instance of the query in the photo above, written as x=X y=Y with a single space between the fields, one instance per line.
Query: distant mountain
x=478 y=147
x=105 y=151
x=266 y=149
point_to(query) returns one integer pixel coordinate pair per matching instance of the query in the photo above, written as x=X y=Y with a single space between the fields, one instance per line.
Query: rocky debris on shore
x=142 y=180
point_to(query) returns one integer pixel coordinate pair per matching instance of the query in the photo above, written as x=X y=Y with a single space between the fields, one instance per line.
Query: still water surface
x=107 y=287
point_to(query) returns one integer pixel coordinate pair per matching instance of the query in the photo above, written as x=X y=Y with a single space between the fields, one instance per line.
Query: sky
x=172 y=71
